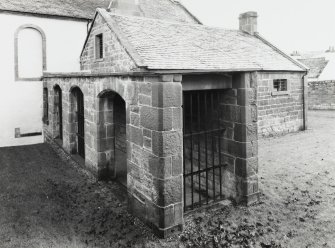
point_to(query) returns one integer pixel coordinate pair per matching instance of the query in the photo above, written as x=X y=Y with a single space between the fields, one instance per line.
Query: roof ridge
x=123 y=40
x=257 y=35
x=172 y=22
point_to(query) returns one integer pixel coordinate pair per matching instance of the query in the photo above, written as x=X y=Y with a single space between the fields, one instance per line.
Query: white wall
x=21 y=102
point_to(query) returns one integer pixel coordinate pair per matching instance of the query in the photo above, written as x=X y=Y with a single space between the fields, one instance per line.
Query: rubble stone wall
x=321 y=95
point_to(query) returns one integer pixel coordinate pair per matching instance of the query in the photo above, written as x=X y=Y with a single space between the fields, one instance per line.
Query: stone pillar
x=155 y=154
x=246 y=138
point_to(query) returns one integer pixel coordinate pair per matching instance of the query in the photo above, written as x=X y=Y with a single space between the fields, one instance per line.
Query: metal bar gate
x=81 y=123
x=203 y=133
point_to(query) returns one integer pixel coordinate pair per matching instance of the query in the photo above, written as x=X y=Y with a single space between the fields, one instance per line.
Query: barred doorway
x=78 y=103
x=203 y=148
x=58 y=113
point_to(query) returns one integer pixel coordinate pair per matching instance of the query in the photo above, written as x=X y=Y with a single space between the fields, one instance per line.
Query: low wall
x=321 y=95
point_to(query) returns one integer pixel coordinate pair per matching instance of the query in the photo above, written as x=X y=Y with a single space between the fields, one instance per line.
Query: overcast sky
x=303 y=25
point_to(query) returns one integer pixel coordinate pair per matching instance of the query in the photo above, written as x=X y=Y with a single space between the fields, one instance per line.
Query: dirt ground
x=49 y=202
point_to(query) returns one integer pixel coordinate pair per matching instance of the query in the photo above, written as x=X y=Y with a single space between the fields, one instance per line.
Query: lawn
x=48 y=201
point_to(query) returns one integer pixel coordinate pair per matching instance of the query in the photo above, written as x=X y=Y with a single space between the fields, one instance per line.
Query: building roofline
x=122 y=39
x=302 y=66
x=64 y=17
x=119 y=35
x=150 y=73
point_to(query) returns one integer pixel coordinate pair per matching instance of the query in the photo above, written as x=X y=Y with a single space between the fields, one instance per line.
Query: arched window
x=30 y=53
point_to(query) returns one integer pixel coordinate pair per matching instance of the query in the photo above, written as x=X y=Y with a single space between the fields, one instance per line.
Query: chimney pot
x=248 y=22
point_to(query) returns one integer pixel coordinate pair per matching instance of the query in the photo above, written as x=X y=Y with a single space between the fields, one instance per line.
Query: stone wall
x=321 y=95
x=115 y=57
x=153 y=138
x=280 y=112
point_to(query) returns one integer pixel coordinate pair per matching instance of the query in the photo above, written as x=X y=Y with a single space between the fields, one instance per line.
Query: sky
x=292 y=25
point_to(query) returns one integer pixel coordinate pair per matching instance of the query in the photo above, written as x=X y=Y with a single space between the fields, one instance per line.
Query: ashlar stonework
x=177 y=133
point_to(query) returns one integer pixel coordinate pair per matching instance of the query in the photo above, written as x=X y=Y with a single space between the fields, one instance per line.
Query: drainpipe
x=305 y=98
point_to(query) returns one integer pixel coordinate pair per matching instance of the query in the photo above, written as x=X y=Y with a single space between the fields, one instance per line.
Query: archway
x=78 y=110
x=58 y=113
x=112 y=139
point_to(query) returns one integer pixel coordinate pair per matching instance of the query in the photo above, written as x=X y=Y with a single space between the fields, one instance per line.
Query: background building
x=36 y=36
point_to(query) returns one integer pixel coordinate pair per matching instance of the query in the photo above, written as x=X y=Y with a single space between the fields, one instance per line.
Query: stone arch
x=18 y=77
x=112 y=136
x=58 y=112
x=77 y=122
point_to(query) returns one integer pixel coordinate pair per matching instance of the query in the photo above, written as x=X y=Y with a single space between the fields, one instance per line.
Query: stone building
x=169 y=108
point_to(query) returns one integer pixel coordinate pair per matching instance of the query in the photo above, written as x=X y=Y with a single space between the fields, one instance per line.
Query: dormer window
x=99 y=46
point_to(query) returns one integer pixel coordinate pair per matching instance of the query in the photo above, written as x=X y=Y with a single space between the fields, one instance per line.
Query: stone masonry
x=321 y=95
x=154 y=139
x=281 y=112
x=115 y=58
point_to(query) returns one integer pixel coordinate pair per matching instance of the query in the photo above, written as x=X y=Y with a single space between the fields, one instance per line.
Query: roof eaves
x=302 y=66
x=122 y=39
x=67 y=17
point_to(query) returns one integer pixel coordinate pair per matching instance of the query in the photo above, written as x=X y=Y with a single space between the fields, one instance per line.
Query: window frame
x=275 y=91
x=16 y=52
x=99 y=53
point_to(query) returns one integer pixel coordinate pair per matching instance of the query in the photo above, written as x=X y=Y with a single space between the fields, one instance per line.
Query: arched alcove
x=112 y=138
x=30 y=53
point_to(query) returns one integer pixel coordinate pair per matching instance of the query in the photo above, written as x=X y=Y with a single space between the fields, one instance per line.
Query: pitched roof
x=316 y=65
x=163 y=45
x=83 y=9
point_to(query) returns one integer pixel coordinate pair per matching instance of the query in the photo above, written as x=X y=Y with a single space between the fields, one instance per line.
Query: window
x=30 y=56
x=99 y=46
x=280 y=85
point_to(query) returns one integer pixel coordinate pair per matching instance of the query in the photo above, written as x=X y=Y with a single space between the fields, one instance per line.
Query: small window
x=99 y=46
x=280 y=85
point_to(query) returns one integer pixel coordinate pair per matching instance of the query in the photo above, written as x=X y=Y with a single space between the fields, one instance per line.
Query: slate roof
x=163 y=45
x=84 y=9
x=316 y=65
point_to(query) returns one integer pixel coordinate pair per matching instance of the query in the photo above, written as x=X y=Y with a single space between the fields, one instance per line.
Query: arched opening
x=112 y=137
x=30 y=53
x=58 y=113
x=78 y=122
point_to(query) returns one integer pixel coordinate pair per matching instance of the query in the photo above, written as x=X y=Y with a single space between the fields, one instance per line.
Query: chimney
x=248 y=22
x=125 y=7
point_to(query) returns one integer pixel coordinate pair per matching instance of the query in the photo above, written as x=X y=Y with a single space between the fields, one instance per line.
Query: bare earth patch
x=47 y=202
